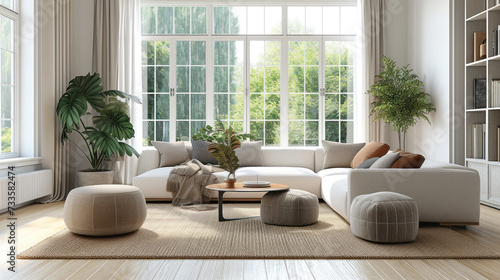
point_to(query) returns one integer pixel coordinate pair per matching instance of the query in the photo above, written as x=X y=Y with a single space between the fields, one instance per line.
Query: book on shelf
x=495 y=93
x=478 y=140
x=479 y=39
x=494 y=42
x=479 y=93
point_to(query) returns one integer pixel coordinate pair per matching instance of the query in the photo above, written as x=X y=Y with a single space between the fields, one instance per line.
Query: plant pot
x=88 y=178
x=230 y=183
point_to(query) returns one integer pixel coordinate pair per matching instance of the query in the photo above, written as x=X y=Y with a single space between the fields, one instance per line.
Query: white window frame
x=284 y=38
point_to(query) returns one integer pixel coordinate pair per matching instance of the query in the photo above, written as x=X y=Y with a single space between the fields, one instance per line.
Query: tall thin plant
x=400 y=98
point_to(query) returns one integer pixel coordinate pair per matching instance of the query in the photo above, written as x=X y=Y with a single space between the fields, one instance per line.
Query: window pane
x=313 y=20
x=182 y=20
x=331 y=20
x=346 y=131
x=238 y=20
x=148 y=133
x=236 y=107
x=236 y=50
x=198 y=54
x=9 y=4
x=162 y=53
x=183 y=53
x=332 y=79
x=257 y=106
x=162 y=106
x=199 y=20
x=6 y=62
x=196 y=126
x=236 y=79
x=148 y=20
x=332 y=131
x=296 y=106
x=198 y=79
x=6 y=140
x=272 y=106
x=296 y=133
x=7 y=31
x=256 y=14
x=312 y=79
x=296 y=20
x=162 y=131
x=162 y=79
x=221 y=79
x=6 y=101
x=296 y=53
x=346 y=53
x=221 y=107
x=182 y=133
x=346 y=106
x=198 y=106
x=182 y=106
x=332 y=107
x=346 y=79
x=148 y=78
x=348 y=20
x=296 y=79
x=272 y=79
x=148 y=109
x=272 y=133
x=165 y=20
x=312 y=106
x=257 y=79
x=148 y=53
x=182 y=79
x=273 y=20
x=257 y=129
x=332 y=53
x=312 y=133
x=221 y=49
x=221 y=20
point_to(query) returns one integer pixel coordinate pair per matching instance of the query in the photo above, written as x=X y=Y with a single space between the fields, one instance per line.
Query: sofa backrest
x=272 y=156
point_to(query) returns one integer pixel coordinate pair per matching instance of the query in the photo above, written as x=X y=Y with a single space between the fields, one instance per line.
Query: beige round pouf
x=103 y=210
x=385 y=217
x=289 y=208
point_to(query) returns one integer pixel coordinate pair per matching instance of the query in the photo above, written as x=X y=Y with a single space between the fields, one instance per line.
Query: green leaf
x=114 y=123
x=70 y=108
x=103 y=142
x=122 y=95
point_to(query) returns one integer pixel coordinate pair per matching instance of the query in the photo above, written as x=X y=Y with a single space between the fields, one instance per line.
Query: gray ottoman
x=385 y=217
x=289 y=208
x=103 y=210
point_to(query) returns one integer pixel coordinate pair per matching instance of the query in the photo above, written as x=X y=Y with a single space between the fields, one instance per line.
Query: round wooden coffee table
x=238 y=187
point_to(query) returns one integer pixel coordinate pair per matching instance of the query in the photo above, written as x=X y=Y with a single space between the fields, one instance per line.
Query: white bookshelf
x=482 y=16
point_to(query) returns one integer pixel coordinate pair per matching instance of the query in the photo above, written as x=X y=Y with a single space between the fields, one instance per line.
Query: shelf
x=496 y=57
x=494 y=109
x=479 y=63
x=476 y=110
x=478 y=160
x=478 y=17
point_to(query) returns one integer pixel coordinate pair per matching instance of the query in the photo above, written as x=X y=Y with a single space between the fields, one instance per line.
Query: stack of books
x=495 y=42
x=478 y=140
x=495 y=93
x=479 y=92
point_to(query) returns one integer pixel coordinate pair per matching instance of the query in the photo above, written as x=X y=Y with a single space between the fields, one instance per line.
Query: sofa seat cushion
x=153 y=183
x=334 y=190
x=295 y=177
x=333 y=171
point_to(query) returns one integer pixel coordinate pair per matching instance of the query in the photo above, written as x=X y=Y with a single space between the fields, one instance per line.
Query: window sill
x=19 y=162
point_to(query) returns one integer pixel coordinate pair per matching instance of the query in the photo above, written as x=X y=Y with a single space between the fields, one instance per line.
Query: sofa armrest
x=149 y=160
x=442 y=195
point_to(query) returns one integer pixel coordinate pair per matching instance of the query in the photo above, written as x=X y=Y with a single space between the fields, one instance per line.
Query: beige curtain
x=116 y=56
x=62 y=162
x=372 y=40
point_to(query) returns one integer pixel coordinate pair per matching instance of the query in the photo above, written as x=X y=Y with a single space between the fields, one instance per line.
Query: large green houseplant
x=223 y=142
x=110 y=124
x=400 y=99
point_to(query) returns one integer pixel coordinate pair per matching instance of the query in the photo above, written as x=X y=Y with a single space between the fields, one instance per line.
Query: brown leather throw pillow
x=408 y=160
x=370 y=150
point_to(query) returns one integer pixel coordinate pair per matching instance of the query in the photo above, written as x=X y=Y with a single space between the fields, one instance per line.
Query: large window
x=8 y=77
x=284 y=73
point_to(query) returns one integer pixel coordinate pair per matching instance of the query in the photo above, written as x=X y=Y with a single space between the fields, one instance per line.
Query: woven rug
x=175 y=233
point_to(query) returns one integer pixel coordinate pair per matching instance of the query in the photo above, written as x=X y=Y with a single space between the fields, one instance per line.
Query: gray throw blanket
x=187 y=182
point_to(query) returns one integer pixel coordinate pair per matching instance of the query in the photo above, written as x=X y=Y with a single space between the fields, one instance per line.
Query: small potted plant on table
x=223 y=142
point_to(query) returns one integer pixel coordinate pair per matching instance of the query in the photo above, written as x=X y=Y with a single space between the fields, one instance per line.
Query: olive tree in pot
x=223 y=142
x=400 y=99
x=109 y=126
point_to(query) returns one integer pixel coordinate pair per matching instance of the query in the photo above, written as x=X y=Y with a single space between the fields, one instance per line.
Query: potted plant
x=109 y=126
x=223 y=142
x=400 y=98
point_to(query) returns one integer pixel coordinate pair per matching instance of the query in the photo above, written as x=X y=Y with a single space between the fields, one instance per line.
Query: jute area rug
x=175 y=233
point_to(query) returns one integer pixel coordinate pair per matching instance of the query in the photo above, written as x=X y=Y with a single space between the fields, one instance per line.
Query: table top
x=238 y=187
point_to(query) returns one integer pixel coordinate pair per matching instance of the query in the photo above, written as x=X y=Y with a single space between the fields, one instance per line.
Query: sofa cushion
x=153 y=183
x=408 y=160
x=339 y=154
x=368 y=163
x=249 y=153
x=372 y=149
x=171 y=153
x=201 y=153
x=385 y=161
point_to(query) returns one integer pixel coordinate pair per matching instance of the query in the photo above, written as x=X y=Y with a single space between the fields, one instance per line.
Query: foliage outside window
x=242 y=75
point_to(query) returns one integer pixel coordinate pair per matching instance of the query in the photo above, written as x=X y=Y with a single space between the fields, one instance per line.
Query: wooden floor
x=38 y=222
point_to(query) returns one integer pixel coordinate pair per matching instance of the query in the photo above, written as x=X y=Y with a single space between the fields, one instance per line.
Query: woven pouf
x=289 y=208
x=385 y=217
x=103 y=210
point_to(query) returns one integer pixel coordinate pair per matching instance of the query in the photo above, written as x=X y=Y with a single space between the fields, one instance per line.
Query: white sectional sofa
x=445 y=193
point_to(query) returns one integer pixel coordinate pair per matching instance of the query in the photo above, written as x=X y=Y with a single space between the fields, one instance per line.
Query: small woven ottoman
x=103 y=210
x=384 y=217
x=289 y=208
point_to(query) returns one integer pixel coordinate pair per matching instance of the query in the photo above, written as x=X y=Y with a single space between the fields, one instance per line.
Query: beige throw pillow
x=249 y=153
x=171 y=154
x=339 y=154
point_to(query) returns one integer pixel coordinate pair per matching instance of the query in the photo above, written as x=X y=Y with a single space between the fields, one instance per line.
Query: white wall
x=420 y=36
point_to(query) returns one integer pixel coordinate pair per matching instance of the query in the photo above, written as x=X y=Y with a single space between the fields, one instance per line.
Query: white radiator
x=29 y=186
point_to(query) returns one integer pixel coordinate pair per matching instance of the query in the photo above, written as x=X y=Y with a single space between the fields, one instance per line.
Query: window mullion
x=173 y=84
x=284 y=93
x=322 y=85
x=209 y=73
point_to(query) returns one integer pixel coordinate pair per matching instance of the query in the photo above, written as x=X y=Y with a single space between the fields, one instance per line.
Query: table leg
x=221 y=212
